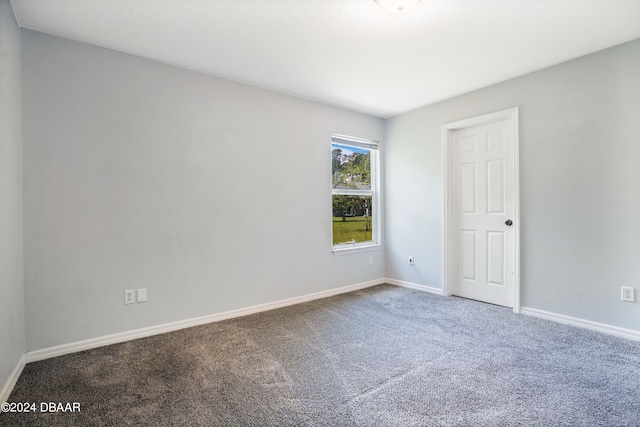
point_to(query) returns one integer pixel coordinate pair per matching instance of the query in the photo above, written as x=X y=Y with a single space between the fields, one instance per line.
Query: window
x=354 y=176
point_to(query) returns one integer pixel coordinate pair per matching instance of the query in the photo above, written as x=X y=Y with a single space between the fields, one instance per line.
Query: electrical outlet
x=370 y=259
x=129 y=296
x=628 y=294
x=411 y=260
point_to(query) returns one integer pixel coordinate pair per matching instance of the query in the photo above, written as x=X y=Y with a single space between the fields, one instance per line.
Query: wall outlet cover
x=628 y=294
x=129 y=296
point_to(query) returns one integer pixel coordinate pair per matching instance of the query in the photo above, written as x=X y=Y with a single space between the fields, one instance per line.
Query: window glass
x=354 y=194
x=352 y=219
x=351 y=167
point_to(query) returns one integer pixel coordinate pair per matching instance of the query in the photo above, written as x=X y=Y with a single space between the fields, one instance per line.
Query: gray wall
x=211 y=194
x=580 y=184
x=12 y=335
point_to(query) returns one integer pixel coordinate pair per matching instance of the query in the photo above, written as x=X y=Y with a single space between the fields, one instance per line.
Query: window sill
x=355 y=249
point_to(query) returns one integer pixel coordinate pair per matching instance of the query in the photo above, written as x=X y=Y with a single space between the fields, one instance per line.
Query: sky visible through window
x=349 y=150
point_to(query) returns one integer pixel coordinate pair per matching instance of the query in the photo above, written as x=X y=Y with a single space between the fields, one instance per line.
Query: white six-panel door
x=482 y=212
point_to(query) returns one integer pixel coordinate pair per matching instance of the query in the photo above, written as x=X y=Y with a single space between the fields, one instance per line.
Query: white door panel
x=482 y=200
x=468 y=254
x=468 y=188
x=495 y=258
x=495 y=187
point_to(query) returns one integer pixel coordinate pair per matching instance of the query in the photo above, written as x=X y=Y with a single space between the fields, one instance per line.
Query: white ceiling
x=348 y=53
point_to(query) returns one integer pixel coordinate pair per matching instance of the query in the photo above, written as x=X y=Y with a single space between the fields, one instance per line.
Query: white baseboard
x=582 y=323
x=74 y=347
x=13 y=378
x=410 y=285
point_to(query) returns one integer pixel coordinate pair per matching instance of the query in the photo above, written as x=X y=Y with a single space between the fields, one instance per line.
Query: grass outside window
x=351 y=230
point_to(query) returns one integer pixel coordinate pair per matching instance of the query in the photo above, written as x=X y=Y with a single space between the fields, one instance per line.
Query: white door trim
x=447 y=168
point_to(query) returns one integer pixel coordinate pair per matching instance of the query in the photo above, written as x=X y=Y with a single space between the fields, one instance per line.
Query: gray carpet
x=383 y=356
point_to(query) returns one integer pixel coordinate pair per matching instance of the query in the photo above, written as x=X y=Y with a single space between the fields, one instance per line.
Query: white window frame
x=374 y=148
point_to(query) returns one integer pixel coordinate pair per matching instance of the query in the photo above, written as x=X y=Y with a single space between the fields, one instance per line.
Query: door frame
x=448 y=249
